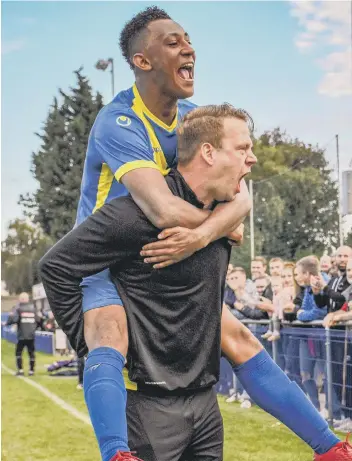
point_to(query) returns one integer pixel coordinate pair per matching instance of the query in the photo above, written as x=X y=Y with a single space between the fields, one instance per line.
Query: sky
x=289 y=64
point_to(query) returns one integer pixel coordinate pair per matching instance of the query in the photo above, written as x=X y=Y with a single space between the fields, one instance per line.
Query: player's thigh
x=105 y=322
x=19 y=347
x=98 y=291
x=237 y=342
x=207 y=442
x=30 y=346
x=159 y=429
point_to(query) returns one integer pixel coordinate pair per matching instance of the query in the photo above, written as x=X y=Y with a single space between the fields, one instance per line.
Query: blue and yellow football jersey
x=124 y=137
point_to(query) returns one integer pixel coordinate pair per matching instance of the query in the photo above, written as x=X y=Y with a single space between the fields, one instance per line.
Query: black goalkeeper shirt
x=173 y=313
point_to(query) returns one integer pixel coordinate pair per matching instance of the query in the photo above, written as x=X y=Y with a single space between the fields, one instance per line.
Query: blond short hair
x=239 y=269
x=273 y=260
x=260 y=259
x=309 y=264
x=205 y=124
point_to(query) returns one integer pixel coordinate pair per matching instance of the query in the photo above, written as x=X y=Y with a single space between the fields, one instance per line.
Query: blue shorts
x=99 y=291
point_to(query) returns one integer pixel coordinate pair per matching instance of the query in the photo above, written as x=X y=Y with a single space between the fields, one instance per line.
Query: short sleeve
x=122 y=141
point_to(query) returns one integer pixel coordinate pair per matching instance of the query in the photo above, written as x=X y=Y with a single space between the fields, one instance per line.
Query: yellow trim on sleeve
x=104 y=185
x=139 y=101
x=135 y=165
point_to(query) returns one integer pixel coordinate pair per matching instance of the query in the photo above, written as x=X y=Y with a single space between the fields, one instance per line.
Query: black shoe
x=20 y=373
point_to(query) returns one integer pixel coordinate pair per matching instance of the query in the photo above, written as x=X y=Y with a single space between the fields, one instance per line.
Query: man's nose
x=252 y=159
x=188 y=50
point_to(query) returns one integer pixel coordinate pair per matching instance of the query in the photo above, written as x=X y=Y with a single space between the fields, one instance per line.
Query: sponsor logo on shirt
x=122 y=120
x=27 y=320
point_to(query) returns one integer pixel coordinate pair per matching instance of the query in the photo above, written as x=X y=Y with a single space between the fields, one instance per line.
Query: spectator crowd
x=298 y=301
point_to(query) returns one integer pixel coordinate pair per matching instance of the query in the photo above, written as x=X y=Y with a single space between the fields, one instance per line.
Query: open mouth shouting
x=238 y=188
x=186 y=72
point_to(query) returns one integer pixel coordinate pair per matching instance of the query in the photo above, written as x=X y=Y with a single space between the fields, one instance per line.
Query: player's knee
x=106 y=327
x=246 y=338
x=240 y=345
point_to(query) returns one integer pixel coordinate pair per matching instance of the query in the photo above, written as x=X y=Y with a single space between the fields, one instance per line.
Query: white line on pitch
x=53 y=397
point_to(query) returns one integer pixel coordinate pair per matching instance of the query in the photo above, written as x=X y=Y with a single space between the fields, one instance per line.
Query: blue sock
x=105 y=395
x=271 y=389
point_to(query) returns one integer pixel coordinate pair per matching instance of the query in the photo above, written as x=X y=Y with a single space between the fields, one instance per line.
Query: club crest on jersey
x=122 y=120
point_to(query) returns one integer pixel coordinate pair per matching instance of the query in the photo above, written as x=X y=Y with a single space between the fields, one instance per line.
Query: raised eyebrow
x=177 y=35
x=245 y=145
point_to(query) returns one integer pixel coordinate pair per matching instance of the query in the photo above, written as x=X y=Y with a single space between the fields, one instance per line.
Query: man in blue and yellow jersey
x=131 y=148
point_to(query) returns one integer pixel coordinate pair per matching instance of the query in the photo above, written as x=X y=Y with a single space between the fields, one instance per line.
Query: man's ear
x=141 y=62
x=208 y=153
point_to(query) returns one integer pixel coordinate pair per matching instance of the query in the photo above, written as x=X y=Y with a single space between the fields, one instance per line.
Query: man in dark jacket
x=330 y=294
x=27 y=320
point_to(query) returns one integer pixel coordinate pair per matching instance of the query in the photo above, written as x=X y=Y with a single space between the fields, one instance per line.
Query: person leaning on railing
x=333 y=319
x=311 y=348
x=334 y=294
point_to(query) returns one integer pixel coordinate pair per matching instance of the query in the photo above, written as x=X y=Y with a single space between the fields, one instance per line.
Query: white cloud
x=303 y=44
x=325 y=28
x=10 y=46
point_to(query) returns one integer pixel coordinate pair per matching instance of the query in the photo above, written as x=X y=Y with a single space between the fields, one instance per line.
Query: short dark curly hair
x=135 y=26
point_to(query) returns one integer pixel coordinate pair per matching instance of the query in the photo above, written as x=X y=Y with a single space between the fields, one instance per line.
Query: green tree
x=58 y=164
x=348 y=240
x=24 y=245
x=240 y=256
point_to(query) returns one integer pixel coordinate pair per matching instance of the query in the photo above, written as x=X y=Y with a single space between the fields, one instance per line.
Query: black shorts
x=175 y=428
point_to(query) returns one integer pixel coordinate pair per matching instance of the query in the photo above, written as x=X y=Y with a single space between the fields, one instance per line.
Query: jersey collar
x=139 y=103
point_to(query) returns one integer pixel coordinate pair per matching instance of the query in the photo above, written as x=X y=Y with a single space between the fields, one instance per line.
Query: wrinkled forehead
x=344 y=252
x=276 y=264
x=162 y=28
x=260 y=283
x=276 y=284
x=237 y=130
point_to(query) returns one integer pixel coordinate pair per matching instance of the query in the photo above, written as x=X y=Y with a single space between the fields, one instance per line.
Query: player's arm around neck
x=153 y=196
x=188 y=229
x=226 y=217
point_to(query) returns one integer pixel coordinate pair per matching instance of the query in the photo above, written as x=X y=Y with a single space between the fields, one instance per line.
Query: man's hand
x=290 y=307
x=329 y=320
x=173 y=246
x=317 y=283
x=236 y=236
x=265 y=304
x=239 y=306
